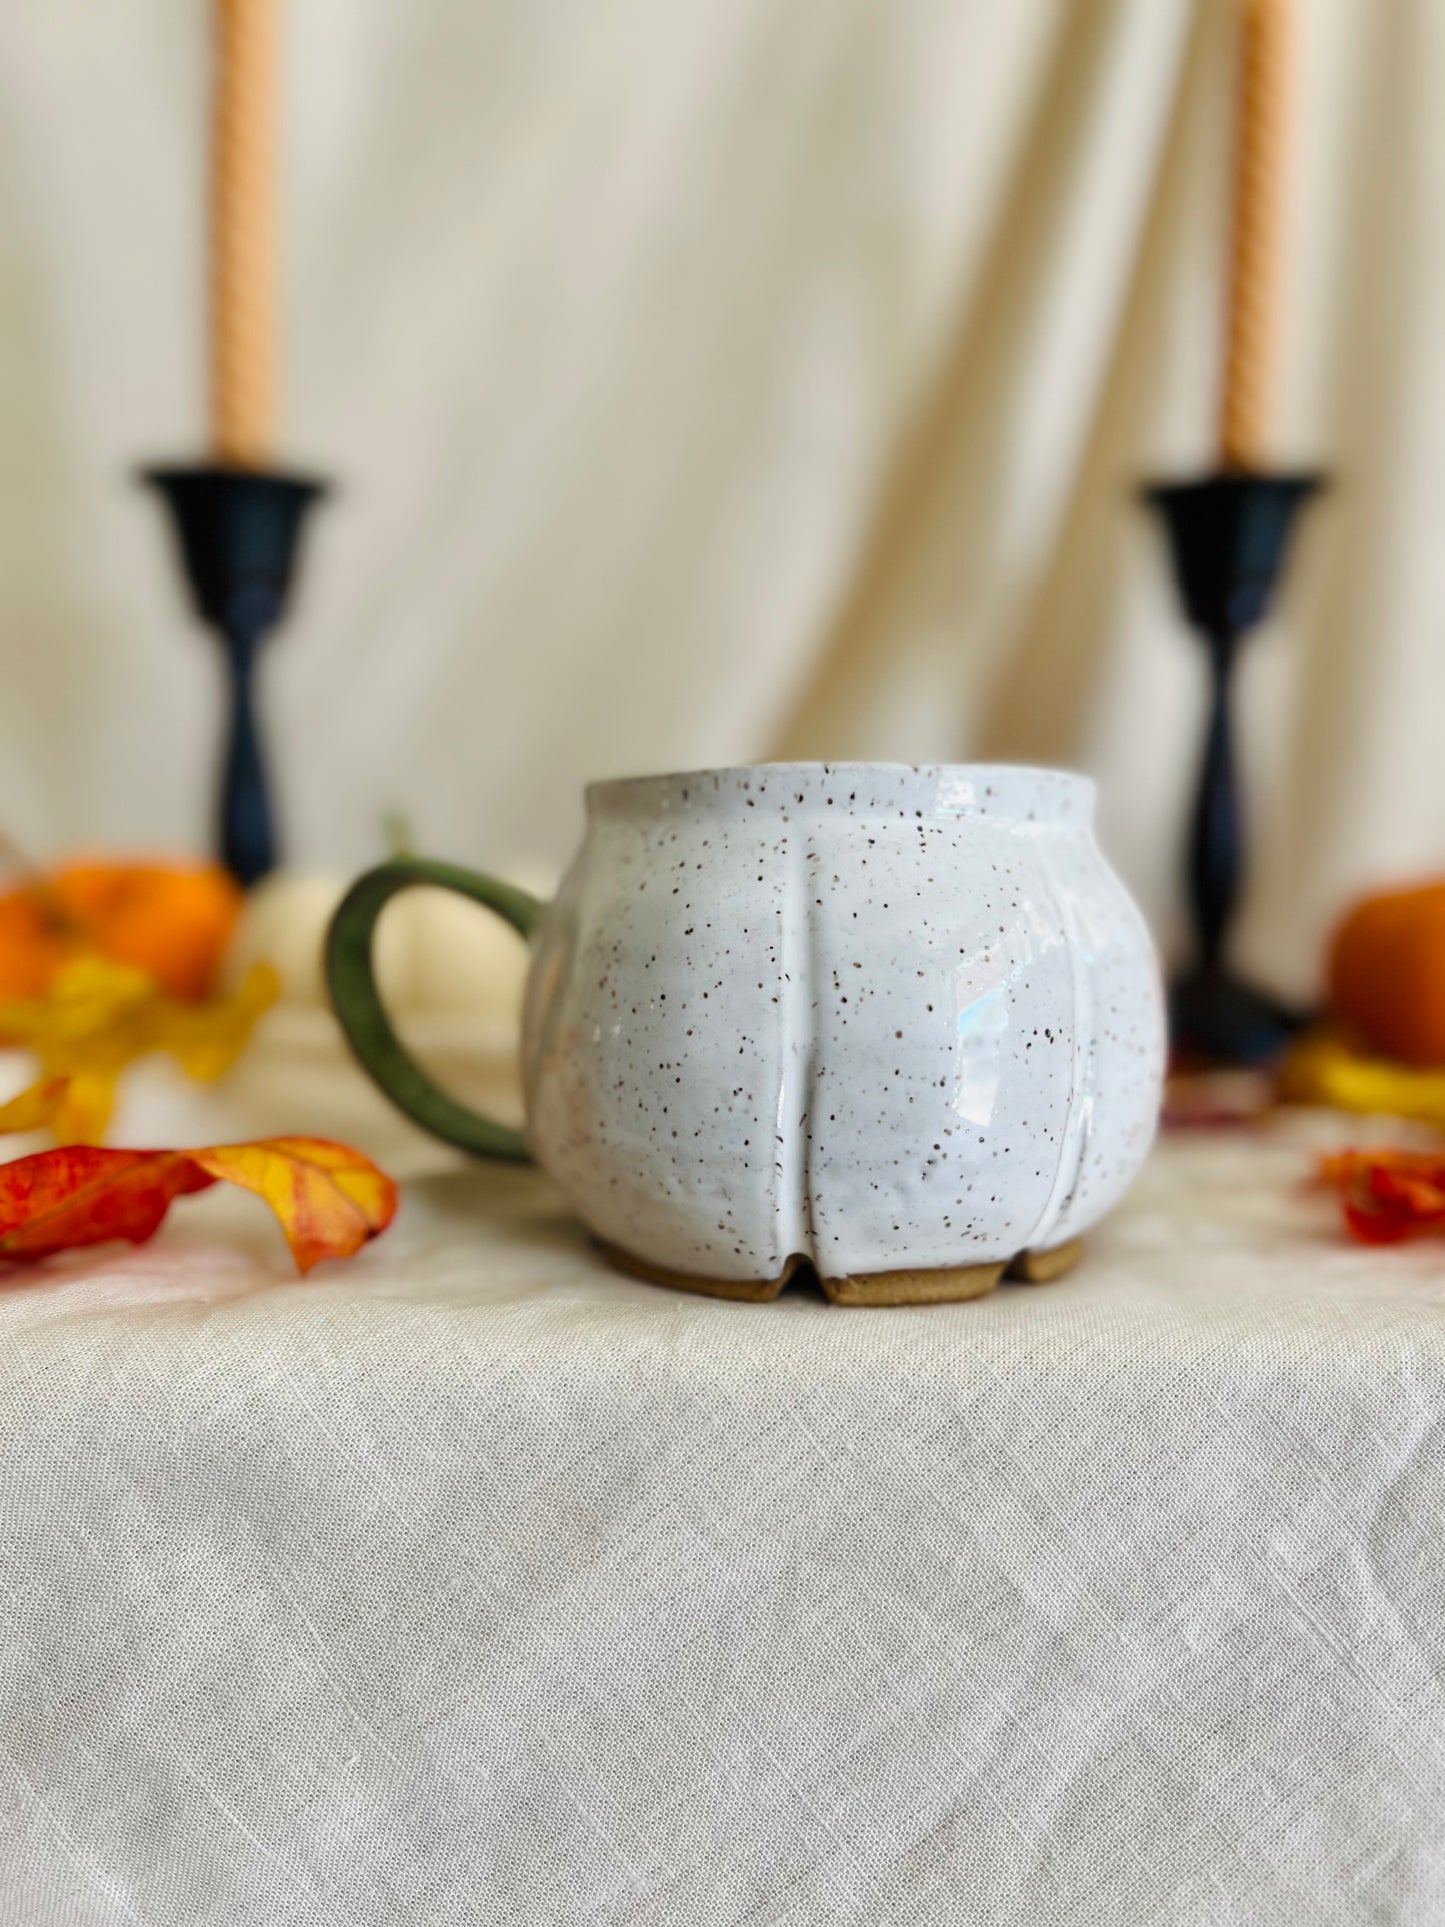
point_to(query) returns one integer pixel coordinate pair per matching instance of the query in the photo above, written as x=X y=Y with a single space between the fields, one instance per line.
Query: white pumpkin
x=436 y=952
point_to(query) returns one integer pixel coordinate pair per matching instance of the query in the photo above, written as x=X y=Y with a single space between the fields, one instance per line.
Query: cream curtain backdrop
x=709 y=382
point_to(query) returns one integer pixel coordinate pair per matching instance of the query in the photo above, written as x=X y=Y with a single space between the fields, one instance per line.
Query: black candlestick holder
x=239 y=533
x=1229 y=536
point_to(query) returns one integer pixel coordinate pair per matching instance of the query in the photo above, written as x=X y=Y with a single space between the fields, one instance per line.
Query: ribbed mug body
x=884 y=1017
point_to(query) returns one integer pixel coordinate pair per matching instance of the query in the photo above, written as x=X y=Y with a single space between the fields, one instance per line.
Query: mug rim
x=1024 y=783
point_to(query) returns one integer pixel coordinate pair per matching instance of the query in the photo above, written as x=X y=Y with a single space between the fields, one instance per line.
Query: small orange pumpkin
x=1387 y=973
x=32 y=946
x=171 y=920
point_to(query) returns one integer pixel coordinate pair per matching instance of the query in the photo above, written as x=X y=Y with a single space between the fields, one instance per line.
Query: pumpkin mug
x=901 y=1024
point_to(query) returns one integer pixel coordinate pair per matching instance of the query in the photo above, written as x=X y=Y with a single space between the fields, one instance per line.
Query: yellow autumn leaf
x=34 y=1108
x=87 y=1100
x=329 y=1198
x=1323 y=1069
x=95 y=1011
x=98 y=1017
x=206 y=1039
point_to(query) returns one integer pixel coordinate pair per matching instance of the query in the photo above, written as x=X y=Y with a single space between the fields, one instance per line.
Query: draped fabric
x=472 y=1583
x=712 y=383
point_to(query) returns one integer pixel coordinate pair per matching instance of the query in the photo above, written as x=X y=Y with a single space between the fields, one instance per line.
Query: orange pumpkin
x=1387 y=973
x=32 y=947
x=171 y=920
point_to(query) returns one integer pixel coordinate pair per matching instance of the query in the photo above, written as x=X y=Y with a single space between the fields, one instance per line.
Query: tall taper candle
x=1262 y=102
x=243 y=232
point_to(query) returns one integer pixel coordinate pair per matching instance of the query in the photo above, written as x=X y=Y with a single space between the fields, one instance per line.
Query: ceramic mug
x=904 y=1024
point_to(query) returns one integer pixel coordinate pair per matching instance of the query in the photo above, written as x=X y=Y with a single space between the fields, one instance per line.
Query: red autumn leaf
x=1388 y=1195
x=330 y=1199
x=79 y=1194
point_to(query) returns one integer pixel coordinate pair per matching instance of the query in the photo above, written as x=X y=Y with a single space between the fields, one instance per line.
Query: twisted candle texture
x=242 y=232
x=1255 y=252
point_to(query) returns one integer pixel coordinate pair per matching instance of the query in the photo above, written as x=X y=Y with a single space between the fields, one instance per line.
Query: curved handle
x=352 y=983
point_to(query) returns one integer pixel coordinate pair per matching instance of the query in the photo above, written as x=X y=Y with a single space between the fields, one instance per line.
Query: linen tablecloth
x=472 y=1583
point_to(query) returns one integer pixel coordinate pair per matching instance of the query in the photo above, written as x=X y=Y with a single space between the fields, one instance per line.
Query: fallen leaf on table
x=36 y=1106
x=206 y=1039
x=97 y=1018
x=1388 y=1195
x=330 y=1199
x=79 y=1194
x=1325 y=1069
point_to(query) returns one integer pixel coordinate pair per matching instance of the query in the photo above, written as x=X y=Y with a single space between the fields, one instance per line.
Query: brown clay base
x=1046 y=1266
x=948 y=1285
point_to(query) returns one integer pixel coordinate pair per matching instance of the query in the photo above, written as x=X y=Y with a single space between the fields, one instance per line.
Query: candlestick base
x=1229 y=537
x=238 y=532
x=1215 y=1017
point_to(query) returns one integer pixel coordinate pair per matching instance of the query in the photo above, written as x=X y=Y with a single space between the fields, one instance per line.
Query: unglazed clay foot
x=1044 y=1267
x=943 y=1285
x=947 y=1285
x=757 y=1291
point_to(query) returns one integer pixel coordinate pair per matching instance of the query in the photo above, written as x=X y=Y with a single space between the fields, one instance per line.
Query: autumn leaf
x=206 y=1039
x=87 y=1099
x=36 y=1107
x=1322 y=1068
x=330 y=1199
x=79 y=1194
x=97 y=1018
x=1388 y=1195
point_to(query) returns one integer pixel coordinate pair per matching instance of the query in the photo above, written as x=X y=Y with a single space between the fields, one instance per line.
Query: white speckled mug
x=903 y=1024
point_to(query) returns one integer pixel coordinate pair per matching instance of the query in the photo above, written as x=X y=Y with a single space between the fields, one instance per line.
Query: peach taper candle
x=1262 y=103
x=243 y=232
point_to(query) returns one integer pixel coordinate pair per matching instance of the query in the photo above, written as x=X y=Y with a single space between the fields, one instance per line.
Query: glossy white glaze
x=887 y=1017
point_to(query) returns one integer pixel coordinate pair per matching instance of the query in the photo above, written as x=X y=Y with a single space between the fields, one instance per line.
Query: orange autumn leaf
x=330 y=1199
x=1387 y=1195
x=171 y=920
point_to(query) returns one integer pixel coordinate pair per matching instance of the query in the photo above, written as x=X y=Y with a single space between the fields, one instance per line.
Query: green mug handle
x=351 y=981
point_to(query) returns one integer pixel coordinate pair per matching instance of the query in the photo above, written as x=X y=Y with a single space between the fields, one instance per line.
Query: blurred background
x=708 y=383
